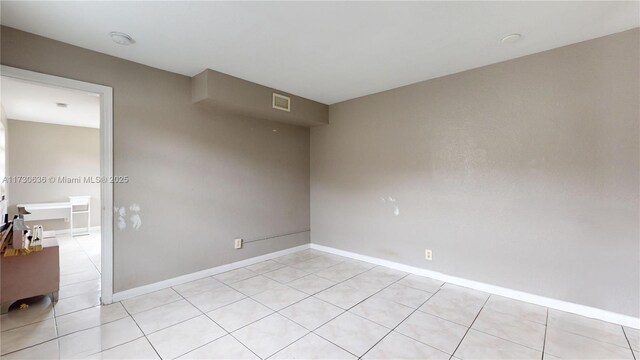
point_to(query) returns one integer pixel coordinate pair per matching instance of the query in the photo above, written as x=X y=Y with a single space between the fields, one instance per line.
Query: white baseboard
x=52 y=233
x=493 y=289
x=145 y=289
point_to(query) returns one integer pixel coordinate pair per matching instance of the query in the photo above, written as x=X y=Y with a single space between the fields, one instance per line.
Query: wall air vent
x=281 y=102
x=222 y=92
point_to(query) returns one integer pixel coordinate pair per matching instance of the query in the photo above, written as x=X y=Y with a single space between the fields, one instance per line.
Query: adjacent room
x=320 y=180
x=54 y=132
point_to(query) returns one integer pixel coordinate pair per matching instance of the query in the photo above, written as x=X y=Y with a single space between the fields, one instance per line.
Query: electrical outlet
x=428 y=254
x=238 y=243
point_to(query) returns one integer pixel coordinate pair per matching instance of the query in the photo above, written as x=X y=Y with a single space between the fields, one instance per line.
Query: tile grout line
x=582 y=335
x=149 y=309
x=58 y=336
x=311 y=331
x=31 y=323
x=228 y=285
x=368 y=297
x=55 y=322
x=85 y=254
x=470 y=325
x=308 y=295
x=92 y=327
x=403 y=320
x=239 y=342
x=572 y=332
x=628 y=342
x=223 y=329
x=347 y=310
x=124 y=343
x=36 y=344
x=75 y=311
x=108 y=322
x=481 y=331
x=544 y=339
x=517 y=343
x=89 y=257
x=208 y=317
x=278 y=311
x=143 y=334
x=293 y=342
x=496 y=336
x=77 y=283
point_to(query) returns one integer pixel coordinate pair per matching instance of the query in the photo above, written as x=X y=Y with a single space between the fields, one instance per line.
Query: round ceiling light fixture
x=510 y=39
x=121 y=38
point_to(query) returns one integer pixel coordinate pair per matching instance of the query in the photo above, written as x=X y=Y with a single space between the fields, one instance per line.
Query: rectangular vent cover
x=281 y=102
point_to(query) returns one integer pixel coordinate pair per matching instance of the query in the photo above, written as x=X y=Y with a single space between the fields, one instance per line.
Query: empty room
x=320 y=180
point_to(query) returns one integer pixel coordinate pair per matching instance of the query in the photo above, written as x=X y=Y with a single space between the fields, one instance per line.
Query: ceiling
x=324 y=51
x=35 y=102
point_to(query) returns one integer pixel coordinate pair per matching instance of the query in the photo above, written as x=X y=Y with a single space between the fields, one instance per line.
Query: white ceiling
x=34 y=102
x=325 y=51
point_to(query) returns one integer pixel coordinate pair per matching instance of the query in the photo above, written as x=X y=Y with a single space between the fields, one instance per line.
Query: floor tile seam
x=139 y=328
x=145 y=310
x=628 y=342
x=544 y=340
x=348 y=310
x=95 y=326
x=395 y=327
x=89 y=257
x=223 y=329
x=589 y=337
x=469 y=328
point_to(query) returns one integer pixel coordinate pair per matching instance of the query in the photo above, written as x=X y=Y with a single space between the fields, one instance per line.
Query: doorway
x=96 y=244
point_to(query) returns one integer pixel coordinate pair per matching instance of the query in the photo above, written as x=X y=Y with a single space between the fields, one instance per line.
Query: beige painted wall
x=522 y=174
x=201 y=179
x=39 y=149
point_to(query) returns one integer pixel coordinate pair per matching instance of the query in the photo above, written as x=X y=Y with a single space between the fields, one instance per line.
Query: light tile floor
x=306 y=305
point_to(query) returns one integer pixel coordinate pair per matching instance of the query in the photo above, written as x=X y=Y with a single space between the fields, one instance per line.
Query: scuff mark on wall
x=135 y=218
x=136 y=221
x=121 y=212
x=392 y=202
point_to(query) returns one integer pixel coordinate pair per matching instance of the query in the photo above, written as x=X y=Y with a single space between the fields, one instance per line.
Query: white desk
x=60 y=210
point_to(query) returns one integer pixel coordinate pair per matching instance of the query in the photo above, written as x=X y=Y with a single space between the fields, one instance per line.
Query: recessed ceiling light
x=62 y=105
x=510 y=39
x=121 y=38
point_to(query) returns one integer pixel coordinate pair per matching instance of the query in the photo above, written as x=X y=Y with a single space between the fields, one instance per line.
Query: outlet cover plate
x=428 y=254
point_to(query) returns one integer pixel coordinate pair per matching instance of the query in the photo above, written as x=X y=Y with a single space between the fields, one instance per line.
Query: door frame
x=106 y=161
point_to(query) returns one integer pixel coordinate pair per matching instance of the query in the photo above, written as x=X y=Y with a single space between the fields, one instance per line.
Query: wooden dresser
x=24 y=276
